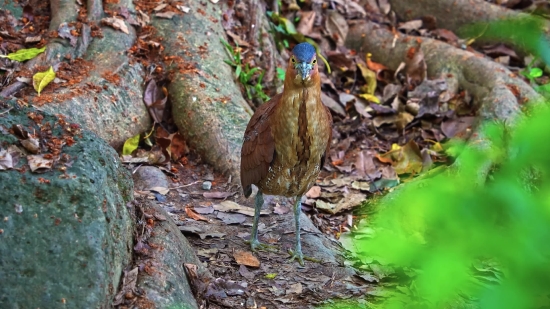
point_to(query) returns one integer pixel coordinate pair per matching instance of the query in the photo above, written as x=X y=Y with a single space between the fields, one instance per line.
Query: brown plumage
x=287 y=139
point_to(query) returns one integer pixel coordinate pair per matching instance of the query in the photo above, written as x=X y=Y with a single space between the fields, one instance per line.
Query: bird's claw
x=296 y=255
x=256 y=245
x=301 y=257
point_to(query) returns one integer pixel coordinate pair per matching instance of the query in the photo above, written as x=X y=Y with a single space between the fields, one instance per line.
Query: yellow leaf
x=41 y=79
x=370 y=98
x=370 y=77
x=130 y=145
x=271 y=276
x=437 y=147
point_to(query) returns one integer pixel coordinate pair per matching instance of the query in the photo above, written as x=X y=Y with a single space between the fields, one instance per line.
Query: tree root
x=208 y=106
x=498 y=92
x=116 y=111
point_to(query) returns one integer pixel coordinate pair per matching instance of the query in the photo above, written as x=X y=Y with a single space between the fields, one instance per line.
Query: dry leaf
x=246 y=258
x=6 y=160
x=218 y=194
x=193 y=215
x=337 y=27
x=166 y=15
x=160 y=7
x=160 y=190
x=332 y=104
x=306 y=22
x=39 y=164
x=349 y=201
x=415 y=66
x=229 y=206
x=280 y=210
x=238 y=40
x=314 y=192
x=116 y=23
x=294 y=289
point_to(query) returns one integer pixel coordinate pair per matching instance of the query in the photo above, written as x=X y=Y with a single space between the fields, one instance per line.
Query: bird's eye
x=293 y=60
x=314 y=61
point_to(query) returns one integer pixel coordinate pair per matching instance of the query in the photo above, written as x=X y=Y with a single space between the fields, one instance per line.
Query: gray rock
x=207 y=185
x=66 y=233
x=167 y=285
x=147 y=177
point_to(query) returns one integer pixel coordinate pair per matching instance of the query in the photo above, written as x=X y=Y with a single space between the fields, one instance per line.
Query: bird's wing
x=258 y=148
x=329 y=121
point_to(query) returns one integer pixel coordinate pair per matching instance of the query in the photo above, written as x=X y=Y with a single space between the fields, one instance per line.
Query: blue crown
x=303 y=52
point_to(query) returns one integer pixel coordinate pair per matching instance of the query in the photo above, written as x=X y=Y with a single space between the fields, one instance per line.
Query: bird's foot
x=301 y=257
x=256 y=245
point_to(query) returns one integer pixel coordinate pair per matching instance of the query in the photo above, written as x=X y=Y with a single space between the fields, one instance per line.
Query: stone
x=67 y=231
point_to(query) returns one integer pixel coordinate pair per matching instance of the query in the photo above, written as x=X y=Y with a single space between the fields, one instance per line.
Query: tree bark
x=208 y=106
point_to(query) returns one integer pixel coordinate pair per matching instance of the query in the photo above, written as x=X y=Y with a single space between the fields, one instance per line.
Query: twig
x=187 y=185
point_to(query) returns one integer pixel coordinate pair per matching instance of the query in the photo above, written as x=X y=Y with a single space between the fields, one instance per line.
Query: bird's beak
x=304 y=69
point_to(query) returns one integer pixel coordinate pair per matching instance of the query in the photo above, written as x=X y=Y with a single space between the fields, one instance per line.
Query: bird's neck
x=296 y=95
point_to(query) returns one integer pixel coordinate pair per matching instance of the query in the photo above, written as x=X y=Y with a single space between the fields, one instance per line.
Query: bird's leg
x=254 y=242
x=297 y=254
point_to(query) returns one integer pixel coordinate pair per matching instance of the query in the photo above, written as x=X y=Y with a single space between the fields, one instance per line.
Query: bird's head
x=302 y=65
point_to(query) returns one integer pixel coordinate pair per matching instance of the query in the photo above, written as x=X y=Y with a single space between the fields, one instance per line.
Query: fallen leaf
x=349 y=201
x=218 y=194
x=24 y=54
x=332 y=104
x=294 y=289
x=155 y=99
x=160 y=7
x=405 y=160
x=31 y=144
x=183 y=8
x=67 y=31
x=6 y=160
x=116 y=23
x=337 y=27
x=238 y=40
x=246 y=258
x=370 y=78
x=130 y=145
x=280 y=210
x=314 y=192
x=204 y=210
x=231 y=218
x=166 y=15
x=229 y=206
x=306 y=22
x=161 y=190
x=270 y=275
x=193 y=215
x=39 y=164
x=410 y=25
x=457 y=126
x=245 y=272
x=415 y=66
x=41 y=79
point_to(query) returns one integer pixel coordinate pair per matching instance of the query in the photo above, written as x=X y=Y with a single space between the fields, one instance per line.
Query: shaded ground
x=390 y=125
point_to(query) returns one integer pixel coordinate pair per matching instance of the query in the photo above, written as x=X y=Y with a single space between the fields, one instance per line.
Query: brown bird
x=287 y=140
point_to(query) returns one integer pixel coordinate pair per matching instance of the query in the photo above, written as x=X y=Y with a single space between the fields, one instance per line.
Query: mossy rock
x=65 y=233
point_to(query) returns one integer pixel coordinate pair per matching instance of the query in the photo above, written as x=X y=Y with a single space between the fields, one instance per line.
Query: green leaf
x=24 y=54
x=41 y=79
x=281 y=74
x=271 y=275
x=238 y=71
x=130 y=145
x=535 y=72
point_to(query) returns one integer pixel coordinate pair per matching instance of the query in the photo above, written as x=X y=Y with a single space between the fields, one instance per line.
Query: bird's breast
x=300 y=131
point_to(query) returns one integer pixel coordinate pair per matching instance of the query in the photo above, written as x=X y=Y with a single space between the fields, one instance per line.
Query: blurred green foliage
x=463 y=244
